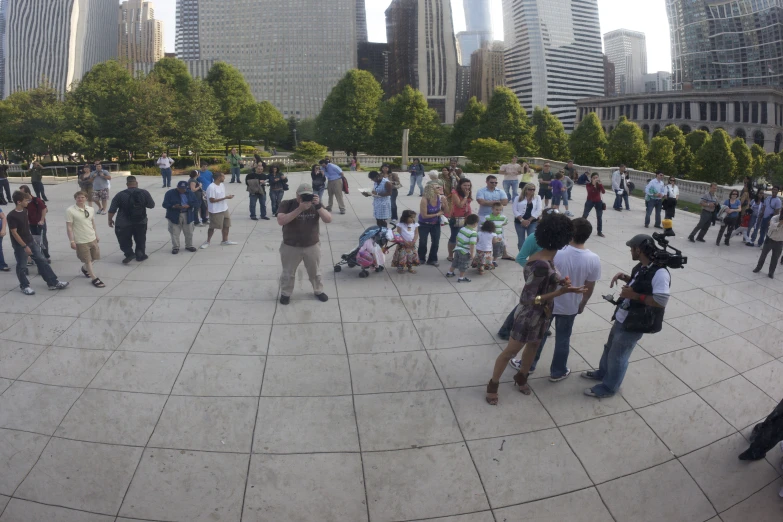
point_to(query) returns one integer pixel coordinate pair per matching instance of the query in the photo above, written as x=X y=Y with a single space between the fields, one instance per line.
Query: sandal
x=85 y=272
x=412 y=270
x=520 y=379
x=97 y=283
x=449 y=259
x=492 y=390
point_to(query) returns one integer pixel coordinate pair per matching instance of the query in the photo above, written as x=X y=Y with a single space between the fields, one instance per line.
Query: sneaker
x=450 y=274
x=59 y=285
x=569 y=214
x=228 y=243
x=562 y=377
x=463 y=280
x=658 y=227
x=756 y=270
x=265 y=218
x=601 y=235
x=700 y=240
x=128 y=260
x=28 y=291
x=515 y=363
x=205 y=245
x=693 y=240
x=433 y=263
x=322 y=297
x=341 y=212
x=191 y=249
x=142 y=257
x=285 y=299
x=495 y=264
x=175 y=251
x=590 y=393
x=254 y=218
x=590 y=375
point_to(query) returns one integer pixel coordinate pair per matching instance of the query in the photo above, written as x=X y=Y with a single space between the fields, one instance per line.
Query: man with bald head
x=131 y=206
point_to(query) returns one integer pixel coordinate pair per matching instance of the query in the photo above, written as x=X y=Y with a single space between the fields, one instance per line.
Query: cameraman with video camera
x=639 y=311
x=301 y=240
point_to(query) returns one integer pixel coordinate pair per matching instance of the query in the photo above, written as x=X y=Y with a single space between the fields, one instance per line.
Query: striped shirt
x=500 y=221
x=465 y=238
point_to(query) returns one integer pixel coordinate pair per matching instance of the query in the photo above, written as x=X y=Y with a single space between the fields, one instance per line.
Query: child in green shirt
x=465 y=248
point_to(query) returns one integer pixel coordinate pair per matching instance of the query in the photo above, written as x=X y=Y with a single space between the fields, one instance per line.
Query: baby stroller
x=378 y=237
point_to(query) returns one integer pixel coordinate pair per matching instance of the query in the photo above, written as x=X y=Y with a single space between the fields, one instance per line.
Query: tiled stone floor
x=184 y=392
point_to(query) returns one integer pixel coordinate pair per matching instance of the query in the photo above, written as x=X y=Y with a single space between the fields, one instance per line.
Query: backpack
x=137 y=212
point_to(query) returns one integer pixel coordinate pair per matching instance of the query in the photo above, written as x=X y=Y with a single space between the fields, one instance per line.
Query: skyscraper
x=718 y=44
x=361 y=22
x=423 y=52
x=56 y=41
x=463 y=88
x=140 y=36
x=292 y=54
x=609 y=78
x=487 y=71
x=479 y=29
x=374 y=57
x=627 y=50
x=2 y=48
x=553 y=54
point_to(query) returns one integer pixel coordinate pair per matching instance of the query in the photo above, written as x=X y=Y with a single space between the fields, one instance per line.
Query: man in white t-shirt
x=165 y=163
x=583 y=267
x=640 y=311
x=219 y=217
x=511 y=172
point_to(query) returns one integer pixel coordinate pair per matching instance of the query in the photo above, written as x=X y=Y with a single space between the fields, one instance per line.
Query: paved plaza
x=183 y=391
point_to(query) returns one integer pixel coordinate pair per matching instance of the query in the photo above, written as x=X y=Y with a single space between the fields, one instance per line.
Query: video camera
x=663 y=257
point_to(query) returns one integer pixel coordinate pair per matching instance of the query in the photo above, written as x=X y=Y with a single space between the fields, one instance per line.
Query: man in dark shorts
x=544 y=179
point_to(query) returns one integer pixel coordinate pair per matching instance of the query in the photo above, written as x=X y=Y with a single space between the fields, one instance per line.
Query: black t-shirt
x=20 y=222
x=302 y=231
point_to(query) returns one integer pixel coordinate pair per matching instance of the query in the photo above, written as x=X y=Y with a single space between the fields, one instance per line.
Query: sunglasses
x=493 y=182
x=86 y=213
x=531 y=189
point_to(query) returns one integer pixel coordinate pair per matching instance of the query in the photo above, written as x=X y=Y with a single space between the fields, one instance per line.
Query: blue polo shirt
x=489 y=195
x=770 y=206
x=205 y=178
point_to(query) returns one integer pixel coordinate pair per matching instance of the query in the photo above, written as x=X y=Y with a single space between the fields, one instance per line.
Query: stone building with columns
x=755 y=114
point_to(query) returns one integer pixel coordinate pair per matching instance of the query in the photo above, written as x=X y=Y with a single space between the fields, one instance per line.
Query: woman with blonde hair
x=430 y=210
x=527 y=209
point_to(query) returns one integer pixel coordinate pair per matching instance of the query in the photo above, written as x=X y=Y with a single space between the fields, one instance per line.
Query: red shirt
x=594 y=193
x=35 y=210
x=461 y=212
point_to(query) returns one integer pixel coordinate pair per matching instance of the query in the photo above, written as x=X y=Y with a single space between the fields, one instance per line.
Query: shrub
x=309 y=152
x=487 y=153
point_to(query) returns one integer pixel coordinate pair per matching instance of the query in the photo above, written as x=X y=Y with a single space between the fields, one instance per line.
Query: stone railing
x=370 y=161
x=55 y=173
x=690 y=191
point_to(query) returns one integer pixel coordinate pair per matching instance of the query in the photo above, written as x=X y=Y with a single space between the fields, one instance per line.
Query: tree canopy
x=661 y=157
x=696 y=139
x=626 y=145
x=238 y=108
x=683 y=157
x=487 y=152
x=588 y=142
x=549 y=135
x=714 y=161
x=506 y=120
x=408 y=110
x=744 y=159
x=348 y=117
x=467 y=127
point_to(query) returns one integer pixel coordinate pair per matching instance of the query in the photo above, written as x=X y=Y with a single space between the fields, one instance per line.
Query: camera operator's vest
x=642 y=318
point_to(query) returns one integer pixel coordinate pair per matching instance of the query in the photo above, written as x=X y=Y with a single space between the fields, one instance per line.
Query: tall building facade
x=487 y=71
x=660 y=81
x=719 y=44
x=2 y=48
x=374 y=57
x=553 y=54
x=627 y=50
x=361 y=22
x=187 y=41
x=423 y=52
x=56 y=41
x=291 y=56
x=609 y=78
x=463 y=89
x=140 y=36
x=479 y=29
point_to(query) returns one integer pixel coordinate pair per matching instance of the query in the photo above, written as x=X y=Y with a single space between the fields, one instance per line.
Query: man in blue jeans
x=653 y=199
x=772 y=207
x=639 y=311
x=583 y=267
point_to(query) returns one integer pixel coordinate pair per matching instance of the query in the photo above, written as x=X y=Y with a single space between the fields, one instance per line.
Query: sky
x=647 y=16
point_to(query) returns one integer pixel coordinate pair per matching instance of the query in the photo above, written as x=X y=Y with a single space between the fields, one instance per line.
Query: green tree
x=306 y=130
x=175 y=74
x=696 y=139
x=238 y=109
x=467 y=128
x=37 y=122
x=271 y=126
x=199 y=123
x=408 y=110
x=588 y=142
x=350 y=112
x=626 y=145
x=309 y=152
x=683 y=157
x=773 y=169
x=488 y=152
x=506 y=120
x=744 y=160
x=661 y=157
x=758 y=154
x=549 y=135
x=714 y=162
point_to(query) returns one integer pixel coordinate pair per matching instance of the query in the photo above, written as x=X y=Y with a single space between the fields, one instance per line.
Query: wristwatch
x=318 y=206
x=537 y=300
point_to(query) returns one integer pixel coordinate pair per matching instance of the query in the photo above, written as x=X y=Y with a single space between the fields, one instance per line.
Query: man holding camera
x=301 y=240
x=640 y=310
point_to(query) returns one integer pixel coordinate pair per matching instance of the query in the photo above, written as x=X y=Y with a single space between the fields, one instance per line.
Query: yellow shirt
x=83 y=230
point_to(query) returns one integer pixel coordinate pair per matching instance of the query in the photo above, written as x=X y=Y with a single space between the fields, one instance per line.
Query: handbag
x=345 y=184
x=603 y=206
x=457 y=222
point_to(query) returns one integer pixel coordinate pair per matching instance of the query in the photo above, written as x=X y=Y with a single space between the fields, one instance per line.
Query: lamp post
x=296 y=144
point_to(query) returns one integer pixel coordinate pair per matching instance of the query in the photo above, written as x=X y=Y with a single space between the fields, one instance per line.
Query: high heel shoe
x=492 y=389
x=520 y=379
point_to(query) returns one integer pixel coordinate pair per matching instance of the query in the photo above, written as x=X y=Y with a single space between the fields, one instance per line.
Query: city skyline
x=648 y=17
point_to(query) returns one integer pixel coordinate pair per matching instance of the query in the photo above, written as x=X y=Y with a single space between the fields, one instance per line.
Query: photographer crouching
x=640 y=309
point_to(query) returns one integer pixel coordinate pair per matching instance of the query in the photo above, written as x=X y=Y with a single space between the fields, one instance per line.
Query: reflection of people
x=543 y=284
x=640 y=311
x=301 y=240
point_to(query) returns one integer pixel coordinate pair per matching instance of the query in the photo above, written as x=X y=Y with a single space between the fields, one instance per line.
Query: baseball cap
x=182 y=184
x=638 y=240
x=304 y=188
